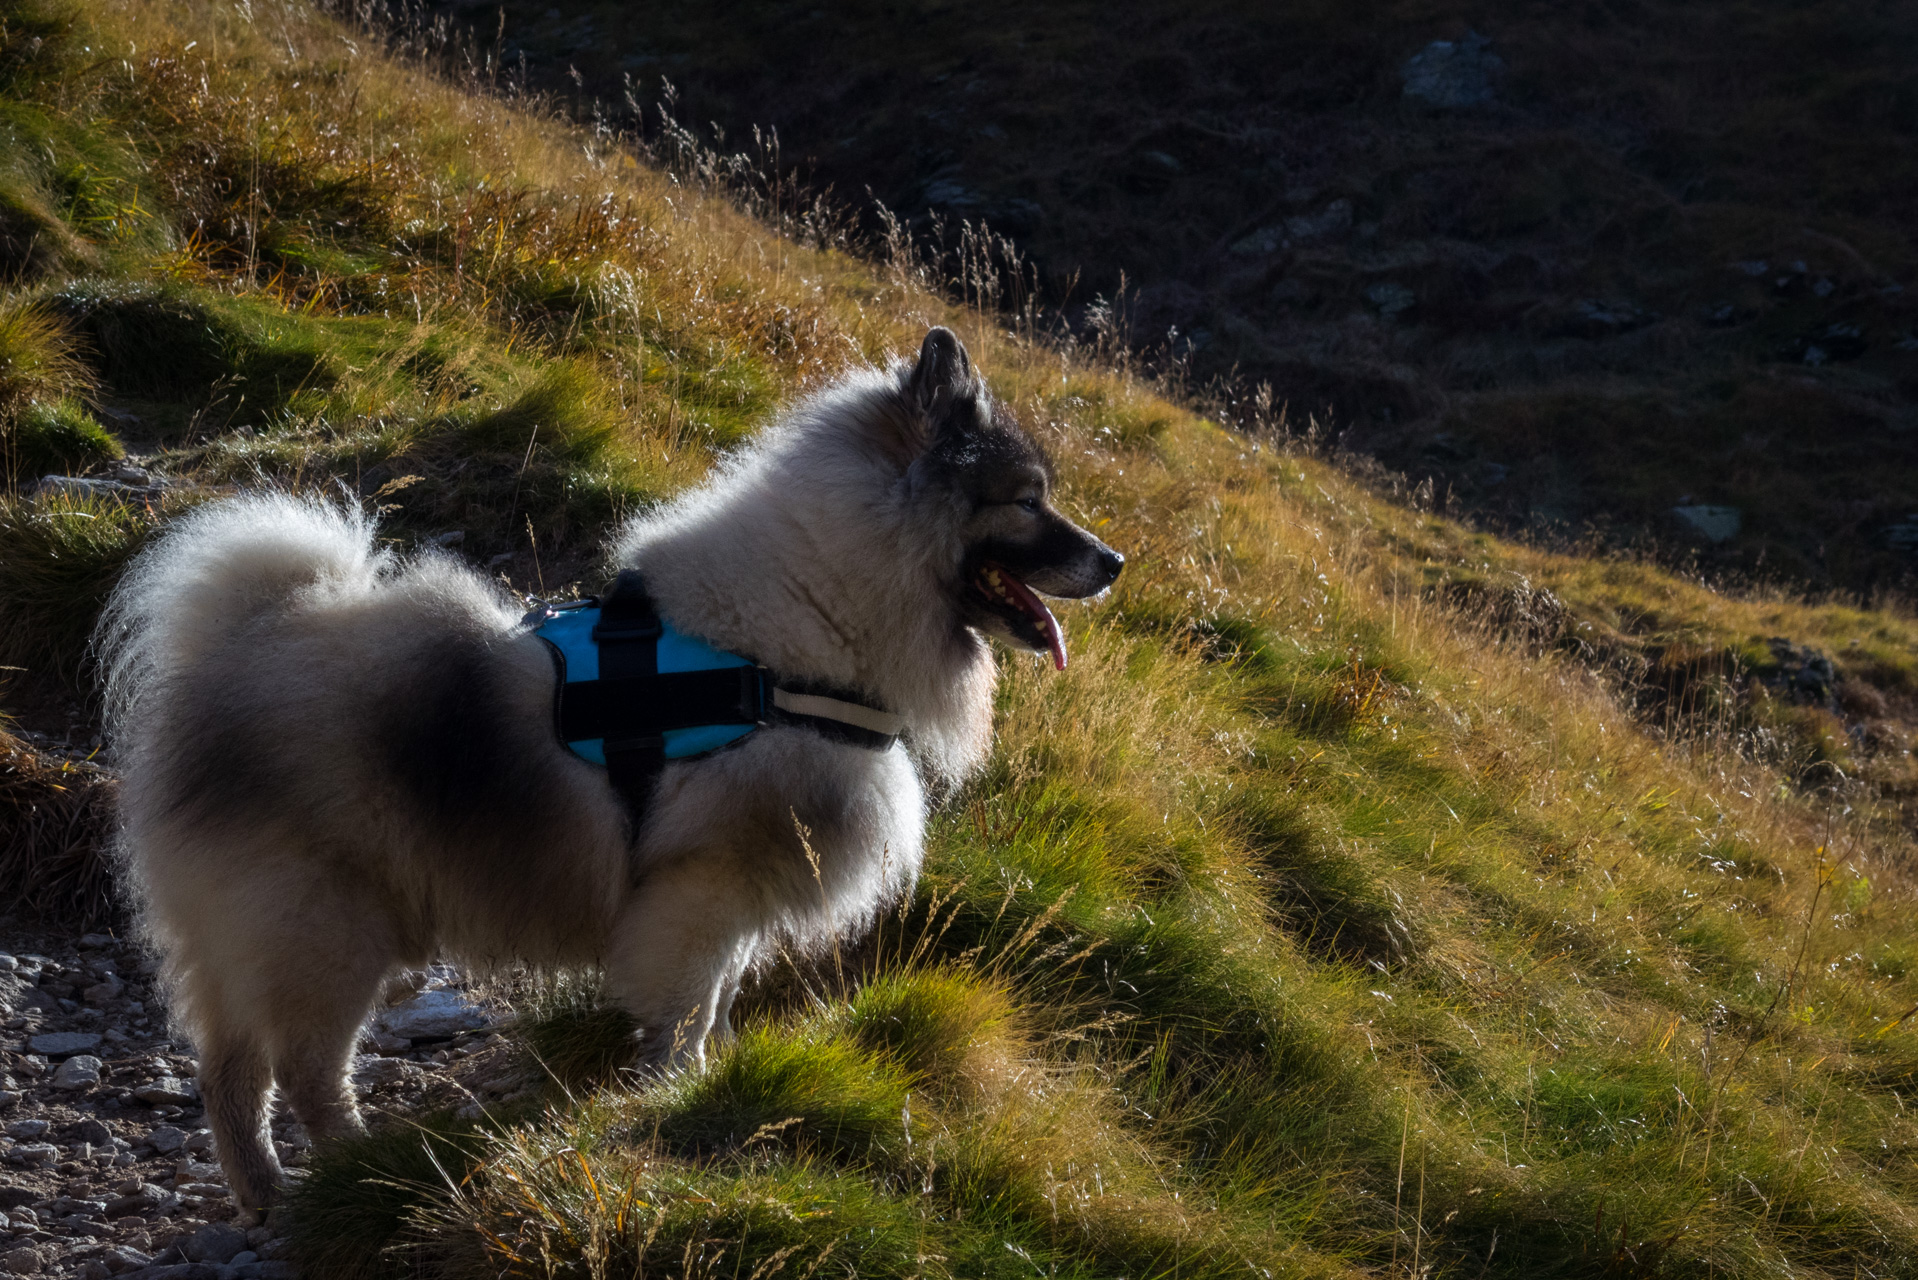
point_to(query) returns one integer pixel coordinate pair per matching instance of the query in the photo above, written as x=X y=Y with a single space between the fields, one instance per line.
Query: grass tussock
x=55 y=818
x=1369 y=897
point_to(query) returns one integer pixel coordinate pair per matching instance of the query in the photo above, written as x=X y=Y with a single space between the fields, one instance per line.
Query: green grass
x=1369 y=897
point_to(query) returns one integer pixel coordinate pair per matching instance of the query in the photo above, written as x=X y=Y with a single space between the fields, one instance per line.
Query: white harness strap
x=867 y=718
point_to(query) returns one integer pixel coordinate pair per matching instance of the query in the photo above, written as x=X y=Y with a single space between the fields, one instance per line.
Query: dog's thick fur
x=339 y=763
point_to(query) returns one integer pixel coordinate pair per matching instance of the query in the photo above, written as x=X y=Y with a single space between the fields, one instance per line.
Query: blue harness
x=633 y=692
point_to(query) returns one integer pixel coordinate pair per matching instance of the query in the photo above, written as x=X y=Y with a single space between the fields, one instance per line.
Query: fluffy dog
x=339 y=763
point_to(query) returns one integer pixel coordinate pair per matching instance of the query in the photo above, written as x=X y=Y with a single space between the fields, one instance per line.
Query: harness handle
x=627 y=634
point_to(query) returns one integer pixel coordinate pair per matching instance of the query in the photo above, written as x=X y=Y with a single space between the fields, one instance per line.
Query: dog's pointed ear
x=943 y=374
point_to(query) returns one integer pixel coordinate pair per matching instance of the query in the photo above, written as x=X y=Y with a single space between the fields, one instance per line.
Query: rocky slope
x=106 y=1165
x=1635 y=269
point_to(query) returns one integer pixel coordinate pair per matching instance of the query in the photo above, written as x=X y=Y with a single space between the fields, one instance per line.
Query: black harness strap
x=639 y=709
x=628 y=638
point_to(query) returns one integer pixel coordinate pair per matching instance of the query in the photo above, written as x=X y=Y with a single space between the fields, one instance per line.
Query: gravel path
x=106 y=1166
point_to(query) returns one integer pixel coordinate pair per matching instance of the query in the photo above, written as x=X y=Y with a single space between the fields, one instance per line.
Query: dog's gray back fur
x=339 y=762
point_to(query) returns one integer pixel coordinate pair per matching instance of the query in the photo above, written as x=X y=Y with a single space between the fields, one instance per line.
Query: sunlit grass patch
x=59 y=437
x=62 y=556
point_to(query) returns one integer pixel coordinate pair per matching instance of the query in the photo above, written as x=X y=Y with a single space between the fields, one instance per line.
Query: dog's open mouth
x=1023 y=611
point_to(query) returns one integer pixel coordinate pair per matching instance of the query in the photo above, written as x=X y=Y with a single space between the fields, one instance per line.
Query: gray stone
x=123 y=1258
x=95 y=1131
x=243 y=1257
x=146 y=1197
x=34 y=1153
x=23 y=1261
x=104 y=992
x=1390 y=298
x=82 y=1071
x=1260 y=242
x=378 y=1073
x=28 y=1130
x=1717 y=524
x=167 y=1090
x=1333 y=220
x=432 y=1015
x=267 y=1270
x=60 y=1044
x=85 y=487
x=1453 y=74
x=93 y=1269
x=215 y=1242
x=64 y=1205
x=380 y=1042
x=8 y=1097
x=167 y=1139
x=7 y=963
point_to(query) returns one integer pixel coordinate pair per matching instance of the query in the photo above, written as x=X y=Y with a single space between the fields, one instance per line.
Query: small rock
x=82 y=1071
x=147 y=1197
x=1602 y=318
x=8 y=1097
x=215 y=1242
x=14 y=1197
x=167 y=1139
x=28 y=1130
x=199 y=1141
x=95 y=1131
x=93 y=1269
x=23 y=1261
x=375 y=1073
x=432 y=1015
x=1717 y=524
x=1391 y=299
x=31 y=1153
x=124 y=1258
x=1453 y=74
x=167 y=1090
x=84 y=487
x=243 y=1257
x=61 y=1044
x=103 y=993
x=380 y=1042
x=7 y=963
x=1333 y=220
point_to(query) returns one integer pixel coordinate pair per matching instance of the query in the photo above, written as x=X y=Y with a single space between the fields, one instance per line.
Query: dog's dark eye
x=1028 y=504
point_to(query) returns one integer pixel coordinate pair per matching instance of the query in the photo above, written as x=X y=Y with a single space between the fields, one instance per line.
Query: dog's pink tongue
x=1036 y=609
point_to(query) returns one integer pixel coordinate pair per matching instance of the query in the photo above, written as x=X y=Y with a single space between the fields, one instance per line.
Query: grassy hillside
x=1665 y=261
x=1370 y=897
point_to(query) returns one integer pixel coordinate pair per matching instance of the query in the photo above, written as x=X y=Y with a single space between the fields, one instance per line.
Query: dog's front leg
x=678 y=951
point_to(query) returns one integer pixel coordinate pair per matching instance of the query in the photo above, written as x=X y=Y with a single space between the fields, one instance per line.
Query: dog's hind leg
x=235 y=1077
x=678 y=951
x=310 y=1062
x=317 y=1022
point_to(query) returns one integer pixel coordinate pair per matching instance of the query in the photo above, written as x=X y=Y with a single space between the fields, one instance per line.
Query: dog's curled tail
x=214 y=570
